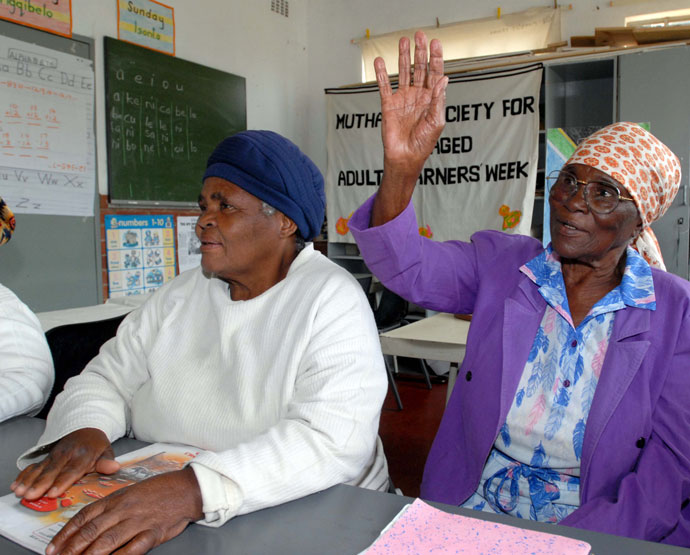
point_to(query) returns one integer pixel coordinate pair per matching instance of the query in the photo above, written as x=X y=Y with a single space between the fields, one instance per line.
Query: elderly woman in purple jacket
x=571 y=404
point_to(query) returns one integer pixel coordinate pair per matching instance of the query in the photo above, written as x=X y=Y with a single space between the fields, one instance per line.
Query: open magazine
x=33 y=524
x=420 y=528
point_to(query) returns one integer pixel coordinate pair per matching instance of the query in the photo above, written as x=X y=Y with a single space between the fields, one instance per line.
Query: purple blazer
x=635 y=466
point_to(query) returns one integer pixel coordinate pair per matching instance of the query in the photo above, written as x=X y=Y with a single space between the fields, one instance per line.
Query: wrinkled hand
x=135 y=519
x=76 y=454
x=413 y=118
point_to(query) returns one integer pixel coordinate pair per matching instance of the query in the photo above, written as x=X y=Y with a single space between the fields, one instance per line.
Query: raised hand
x=413 y=118
x=76 y=454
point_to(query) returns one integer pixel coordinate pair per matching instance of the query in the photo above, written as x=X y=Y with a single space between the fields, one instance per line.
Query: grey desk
x=340 y=520
x=110 y=309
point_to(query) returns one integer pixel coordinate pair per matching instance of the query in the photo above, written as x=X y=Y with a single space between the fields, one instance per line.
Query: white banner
x=481 y=175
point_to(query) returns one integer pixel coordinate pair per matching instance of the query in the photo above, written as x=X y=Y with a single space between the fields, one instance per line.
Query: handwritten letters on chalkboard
x=165 y=116
x=148 y=127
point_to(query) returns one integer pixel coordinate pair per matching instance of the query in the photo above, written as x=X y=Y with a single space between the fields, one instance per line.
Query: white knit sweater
x=283 y=390
x=26 y=365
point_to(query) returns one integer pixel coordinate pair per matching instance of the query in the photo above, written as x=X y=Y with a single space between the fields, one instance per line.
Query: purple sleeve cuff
x=390 y=248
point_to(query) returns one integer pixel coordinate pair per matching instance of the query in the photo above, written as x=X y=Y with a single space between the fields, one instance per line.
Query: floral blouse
x=533 y=470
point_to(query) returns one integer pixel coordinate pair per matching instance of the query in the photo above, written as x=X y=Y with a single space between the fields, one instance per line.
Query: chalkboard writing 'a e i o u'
x=164 y=116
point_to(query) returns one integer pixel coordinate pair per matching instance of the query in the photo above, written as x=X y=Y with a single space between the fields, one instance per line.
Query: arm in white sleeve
x=328 y=434
x=26 y=365
x=99 y=397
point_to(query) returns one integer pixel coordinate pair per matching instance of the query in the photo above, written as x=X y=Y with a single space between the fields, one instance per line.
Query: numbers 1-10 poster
x=140 y=252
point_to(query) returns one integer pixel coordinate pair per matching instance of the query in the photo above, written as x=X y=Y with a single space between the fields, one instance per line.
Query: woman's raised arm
x=413 y=118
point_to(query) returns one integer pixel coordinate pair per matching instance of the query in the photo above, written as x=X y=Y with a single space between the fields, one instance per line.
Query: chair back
x=391 y=310
x=72 y=347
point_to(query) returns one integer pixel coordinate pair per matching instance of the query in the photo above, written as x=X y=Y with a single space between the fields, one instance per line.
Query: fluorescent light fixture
x=658 y=19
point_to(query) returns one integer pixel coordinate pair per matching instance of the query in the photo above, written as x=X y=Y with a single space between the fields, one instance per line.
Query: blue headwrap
x=274 y=170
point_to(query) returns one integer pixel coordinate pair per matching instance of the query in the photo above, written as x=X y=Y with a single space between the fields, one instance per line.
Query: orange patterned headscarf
x=645 y=166
x=6 y=222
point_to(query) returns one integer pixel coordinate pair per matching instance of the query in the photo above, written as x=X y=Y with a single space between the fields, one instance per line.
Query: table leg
x=425 y=369
x=391 y=380
x=452 y=376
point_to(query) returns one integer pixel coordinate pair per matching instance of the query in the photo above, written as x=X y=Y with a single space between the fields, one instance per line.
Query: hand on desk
x=139 y=517
x=76 y=454
x=136 y=518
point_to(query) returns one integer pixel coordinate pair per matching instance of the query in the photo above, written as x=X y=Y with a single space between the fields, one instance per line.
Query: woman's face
x=237 y=238
x=577 y=233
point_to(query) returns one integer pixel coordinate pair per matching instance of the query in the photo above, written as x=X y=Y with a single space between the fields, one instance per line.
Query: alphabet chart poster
x=140 y=252
x=47 y=145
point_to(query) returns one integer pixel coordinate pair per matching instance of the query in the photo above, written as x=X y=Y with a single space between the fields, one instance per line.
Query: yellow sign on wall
x=54 y=16
x=147 y=23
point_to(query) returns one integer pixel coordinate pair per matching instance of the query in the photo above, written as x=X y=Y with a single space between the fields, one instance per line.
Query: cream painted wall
x=334 y=61
x=238 y=36
x=289 y=61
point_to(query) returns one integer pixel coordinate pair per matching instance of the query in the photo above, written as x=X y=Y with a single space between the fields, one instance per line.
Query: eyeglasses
x=600 y=197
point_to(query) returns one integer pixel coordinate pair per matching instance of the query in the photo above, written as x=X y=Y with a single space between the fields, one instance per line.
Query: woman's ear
x=287 y=226
x=637 y=229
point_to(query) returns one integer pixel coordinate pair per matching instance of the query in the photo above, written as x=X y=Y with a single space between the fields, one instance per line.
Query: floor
x=407 y=434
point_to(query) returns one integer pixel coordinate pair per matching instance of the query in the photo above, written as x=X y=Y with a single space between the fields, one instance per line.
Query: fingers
x=438 y=101
x=142 y=543
x=382 y=78
x=51 y=480
x=73 y=456
x=107 y=463
x=435 y=63
x=404 y=63
x=50 y=477
x=82 y=529
x=96 y=529
x=26 y=478
x=134 y=519
x=420 y=59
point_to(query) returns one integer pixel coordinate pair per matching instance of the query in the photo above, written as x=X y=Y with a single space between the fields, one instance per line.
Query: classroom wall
x=334 y=61
x=289 y=61
x=237 y=36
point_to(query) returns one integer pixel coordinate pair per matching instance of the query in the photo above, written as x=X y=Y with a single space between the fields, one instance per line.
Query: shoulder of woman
x=6 y=294
x=503 y=239
x=321 y=269
x=510 y=248
x=320 y=277
x=672 y=291
x=12 y=308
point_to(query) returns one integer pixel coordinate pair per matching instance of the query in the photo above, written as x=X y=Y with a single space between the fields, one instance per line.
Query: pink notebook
x=423 y=529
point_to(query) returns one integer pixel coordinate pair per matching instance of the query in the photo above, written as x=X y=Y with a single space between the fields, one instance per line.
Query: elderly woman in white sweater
x=26 y=365
x=267 y=358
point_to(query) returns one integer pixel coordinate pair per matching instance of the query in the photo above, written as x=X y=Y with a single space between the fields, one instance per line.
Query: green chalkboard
x=164 y=117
